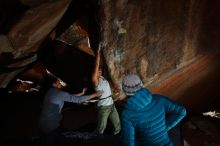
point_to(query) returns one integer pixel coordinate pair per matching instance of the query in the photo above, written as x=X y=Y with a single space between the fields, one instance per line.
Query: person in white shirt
x=105 y=106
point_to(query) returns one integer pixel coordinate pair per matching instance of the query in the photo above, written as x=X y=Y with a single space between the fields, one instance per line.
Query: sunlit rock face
x=24 y=37
x=170 y=44
x=35 y=25
x=29 y=36
x=155 y=39
x=150 y=38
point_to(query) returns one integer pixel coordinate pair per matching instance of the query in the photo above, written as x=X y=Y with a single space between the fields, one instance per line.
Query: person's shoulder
x=51 y=91
x=159 y=97
x=102 y=78
x=57 y=92
x=164 y=99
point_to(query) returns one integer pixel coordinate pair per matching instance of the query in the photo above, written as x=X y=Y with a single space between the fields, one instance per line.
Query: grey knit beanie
x=131 y=83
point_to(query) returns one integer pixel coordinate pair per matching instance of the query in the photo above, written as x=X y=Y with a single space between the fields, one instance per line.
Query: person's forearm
x=77 y=99
x=81 y=93
x=93 y=95
x=78 y=94
x=85 y=98
x=96 y=69
x=175 y=118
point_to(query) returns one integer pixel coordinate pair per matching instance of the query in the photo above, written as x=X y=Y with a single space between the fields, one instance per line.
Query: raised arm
x=95 y=78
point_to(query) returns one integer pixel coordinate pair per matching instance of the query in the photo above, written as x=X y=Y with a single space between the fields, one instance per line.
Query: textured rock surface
x=168 y=43
x=195 y=86
x=150 y=38
x=155 y=39
x=6 y=45
x=35 y=25
x=200 y=130
x=26 y=35
x=34 y=3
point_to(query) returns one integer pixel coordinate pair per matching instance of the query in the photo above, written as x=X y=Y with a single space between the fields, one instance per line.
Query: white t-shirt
x=104 y=86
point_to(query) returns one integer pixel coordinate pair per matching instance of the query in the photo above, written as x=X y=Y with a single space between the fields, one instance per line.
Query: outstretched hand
x=84 y=90
x=96 y=94
x=81 y=93
x=99 y=93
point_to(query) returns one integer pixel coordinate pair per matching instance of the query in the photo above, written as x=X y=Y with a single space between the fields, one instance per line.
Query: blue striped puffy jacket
x=145 y=122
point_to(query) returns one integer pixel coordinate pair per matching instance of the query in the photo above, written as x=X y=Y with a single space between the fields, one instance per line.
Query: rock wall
x=25 y=36
x=35 y=25
x=150 y=38
x=155 y=39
